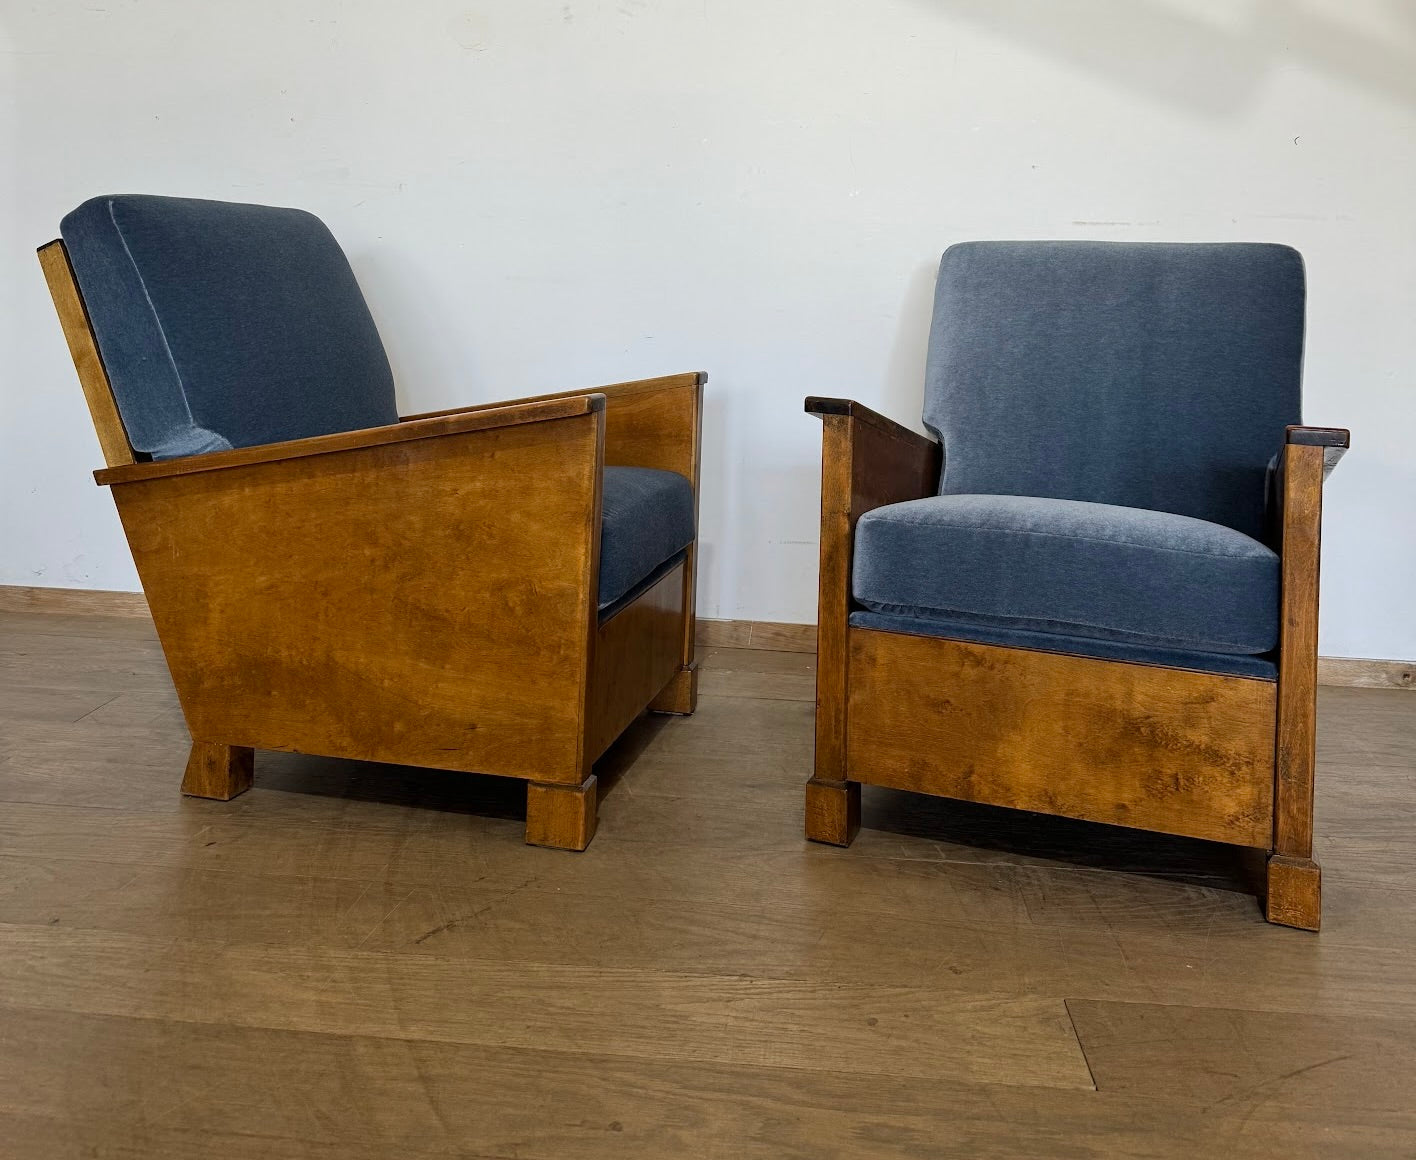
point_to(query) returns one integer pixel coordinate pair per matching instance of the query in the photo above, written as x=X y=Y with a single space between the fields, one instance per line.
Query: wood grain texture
x=1294 y=892
x=218 y=771
x=83 y=348
x=561 y=816
x=832 y=811
x=1301 y=489
x=635 y=654
x=866 y=462
x=470 y=653
x=1131 y=745
x=680 y=696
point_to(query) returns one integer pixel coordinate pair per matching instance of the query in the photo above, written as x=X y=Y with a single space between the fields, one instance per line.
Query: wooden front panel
x=1134 y=745
x=637 y=653
x=423 y=602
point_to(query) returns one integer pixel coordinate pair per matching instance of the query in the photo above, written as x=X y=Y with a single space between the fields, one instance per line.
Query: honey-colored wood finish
x=561 y=816
x=83 y=348
x=1294 y=879
x=1224 y=758
x=419 y=594
x=680 y=696
x=636 y=653
x=866 y=462
x=1133 y=745
x=374 y=603
x=220 y=772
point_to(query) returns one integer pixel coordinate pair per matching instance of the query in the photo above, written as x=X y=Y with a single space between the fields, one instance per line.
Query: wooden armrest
x=648 y=423
x=867 y=461
x=483 y=419
x=849 y=407
x=1333 y=440
x=613 y=393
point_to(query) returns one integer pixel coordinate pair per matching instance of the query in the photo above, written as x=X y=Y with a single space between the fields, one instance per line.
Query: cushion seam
x=1076 y=539
x=1040 y=620
x=156 y=320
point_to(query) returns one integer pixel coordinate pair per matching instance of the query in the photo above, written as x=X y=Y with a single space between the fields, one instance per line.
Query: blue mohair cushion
x=647 y=518
x=225 y=325
x=1147 y=375
x=1228 y=664
x=1064 y=566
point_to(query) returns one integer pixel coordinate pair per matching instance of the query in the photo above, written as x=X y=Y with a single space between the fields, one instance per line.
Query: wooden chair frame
x=1225 y=758
x=423 y=593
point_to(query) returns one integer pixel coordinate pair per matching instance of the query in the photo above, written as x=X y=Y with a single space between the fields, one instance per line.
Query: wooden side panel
x=1152 y=748
x=83 y=348
x=636 y=654
x=422 y=602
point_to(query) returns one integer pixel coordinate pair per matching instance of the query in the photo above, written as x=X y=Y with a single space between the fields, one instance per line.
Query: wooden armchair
x=1090 y=597
x=500 y=589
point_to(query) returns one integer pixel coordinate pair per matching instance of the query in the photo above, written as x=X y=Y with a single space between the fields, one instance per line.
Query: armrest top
x=1319 y=436
x=821 y=407
x=404 y=432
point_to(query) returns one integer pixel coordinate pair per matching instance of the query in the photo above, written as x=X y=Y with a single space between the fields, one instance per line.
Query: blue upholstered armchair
x=1096 y=594
x=499 y=588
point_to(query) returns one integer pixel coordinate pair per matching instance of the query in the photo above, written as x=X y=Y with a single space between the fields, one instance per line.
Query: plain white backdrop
x=544 y=194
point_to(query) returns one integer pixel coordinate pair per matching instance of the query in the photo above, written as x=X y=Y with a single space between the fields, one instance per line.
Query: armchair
x=500 y=589
x=1095 y=592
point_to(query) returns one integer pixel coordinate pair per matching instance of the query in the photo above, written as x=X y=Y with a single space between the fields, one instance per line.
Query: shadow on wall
x=1208 y=68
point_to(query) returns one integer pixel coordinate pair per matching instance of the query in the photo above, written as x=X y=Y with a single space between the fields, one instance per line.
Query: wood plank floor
x=365 y=961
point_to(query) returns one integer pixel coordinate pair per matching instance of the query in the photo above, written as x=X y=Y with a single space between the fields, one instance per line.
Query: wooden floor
x=359 y=961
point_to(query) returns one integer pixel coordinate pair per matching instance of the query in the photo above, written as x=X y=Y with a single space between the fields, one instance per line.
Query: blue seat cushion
x=226 y=325
x=1070 y=567
x=647 y=519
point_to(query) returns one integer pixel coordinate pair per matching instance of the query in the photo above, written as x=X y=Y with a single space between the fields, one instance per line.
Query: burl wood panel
x=636 y=653
x=422 y=602
x=1133 y=745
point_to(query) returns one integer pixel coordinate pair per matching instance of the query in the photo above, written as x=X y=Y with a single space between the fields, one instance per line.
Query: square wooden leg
x=218 y=771
x=561 y=816
x=1295 y=892
x=680 y=695
x=832 y=811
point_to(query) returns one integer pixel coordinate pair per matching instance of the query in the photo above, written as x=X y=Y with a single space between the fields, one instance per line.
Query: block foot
x=218 y=771
x=832 y=811
x=1295 y=892
x=561 y=816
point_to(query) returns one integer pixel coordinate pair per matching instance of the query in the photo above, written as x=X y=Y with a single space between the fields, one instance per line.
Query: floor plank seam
x=1082 y=1047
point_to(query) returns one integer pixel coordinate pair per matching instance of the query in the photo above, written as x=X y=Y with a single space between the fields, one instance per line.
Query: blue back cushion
x=1148 y=375
x=224 y=325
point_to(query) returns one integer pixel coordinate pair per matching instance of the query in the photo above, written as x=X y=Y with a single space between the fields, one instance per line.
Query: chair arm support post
x=1303 y=463
x=867 y=461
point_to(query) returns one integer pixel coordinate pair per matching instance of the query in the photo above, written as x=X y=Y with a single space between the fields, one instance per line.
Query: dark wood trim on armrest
x=430 y=428
x=822 y=407
x=1333 y=440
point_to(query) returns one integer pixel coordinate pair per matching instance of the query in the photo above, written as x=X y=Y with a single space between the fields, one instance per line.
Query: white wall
x=541 y=194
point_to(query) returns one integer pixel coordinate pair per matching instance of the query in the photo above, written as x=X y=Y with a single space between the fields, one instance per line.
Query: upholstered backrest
x=225 y=325
x=1149 y=375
